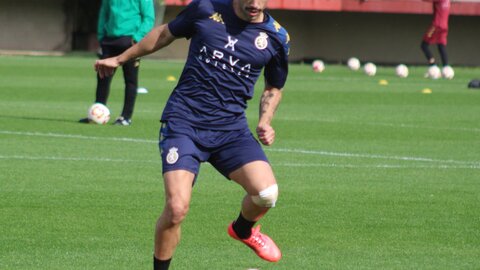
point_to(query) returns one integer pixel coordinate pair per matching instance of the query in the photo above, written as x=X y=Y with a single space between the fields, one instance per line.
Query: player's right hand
x=266 y=134
x=106 y=67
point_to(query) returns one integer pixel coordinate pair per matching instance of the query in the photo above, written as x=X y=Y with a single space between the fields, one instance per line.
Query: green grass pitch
x=371 y=176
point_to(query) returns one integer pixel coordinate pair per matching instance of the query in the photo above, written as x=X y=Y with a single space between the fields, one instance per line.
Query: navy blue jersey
x=225 y=59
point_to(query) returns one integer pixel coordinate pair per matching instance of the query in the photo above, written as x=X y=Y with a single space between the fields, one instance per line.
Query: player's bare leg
x=178 y=191
x=259 y=182
x=254 y=177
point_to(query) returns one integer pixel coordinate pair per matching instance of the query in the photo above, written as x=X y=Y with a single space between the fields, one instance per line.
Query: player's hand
x=106 y=67
x=266 y=134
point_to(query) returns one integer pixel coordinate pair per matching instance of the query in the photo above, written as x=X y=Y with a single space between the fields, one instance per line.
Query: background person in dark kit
x=121 y=24
x=437 y=32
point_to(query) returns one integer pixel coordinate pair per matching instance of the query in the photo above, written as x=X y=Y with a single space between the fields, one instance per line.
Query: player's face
x=250 y=10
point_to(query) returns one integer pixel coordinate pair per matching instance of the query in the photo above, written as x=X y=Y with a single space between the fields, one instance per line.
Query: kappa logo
x=217 y=17
x=261 y=42
x=172 y=155
x=277 y=26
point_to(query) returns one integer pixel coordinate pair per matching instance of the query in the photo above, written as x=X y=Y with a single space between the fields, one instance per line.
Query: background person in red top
x=437 y=32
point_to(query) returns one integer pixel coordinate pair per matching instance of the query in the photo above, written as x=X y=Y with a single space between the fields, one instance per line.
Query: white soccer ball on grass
x=434 y=72
x=318 y=66
x=402 y=71
x=353 y=63
x=99 y=113
x=370 y=69
x=447 y=72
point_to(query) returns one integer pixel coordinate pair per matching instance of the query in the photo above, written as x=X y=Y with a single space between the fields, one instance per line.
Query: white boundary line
x=19 y=157
x=281 y=150
x=372 y=156
x=400 y=125
x=75 y=136
x=379 y=166
x=304 y=165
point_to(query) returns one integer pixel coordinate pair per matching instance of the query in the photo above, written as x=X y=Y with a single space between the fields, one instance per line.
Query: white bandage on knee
x=266 y=197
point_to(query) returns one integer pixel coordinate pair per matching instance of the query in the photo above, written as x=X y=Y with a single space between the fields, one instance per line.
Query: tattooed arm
x=268 y=105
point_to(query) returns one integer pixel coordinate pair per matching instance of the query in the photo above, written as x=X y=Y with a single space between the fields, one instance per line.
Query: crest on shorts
x=261 y=42
x=172 y=155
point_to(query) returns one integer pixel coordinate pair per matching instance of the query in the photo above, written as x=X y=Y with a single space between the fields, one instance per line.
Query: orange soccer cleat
x=261 y=244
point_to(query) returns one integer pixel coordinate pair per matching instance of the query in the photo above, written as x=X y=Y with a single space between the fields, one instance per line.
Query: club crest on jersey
x=172 y=155
x=261 y=42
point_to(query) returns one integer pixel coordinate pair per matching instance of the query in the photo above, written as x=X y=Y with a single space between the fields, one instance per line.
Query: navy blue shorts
x=184 y=147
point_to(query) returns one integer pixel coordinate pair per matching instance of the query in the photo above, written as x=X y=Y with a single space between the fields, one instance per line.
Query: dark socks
x=243 y=227
x=428 y=54
x=160 y=264
x=443 y=54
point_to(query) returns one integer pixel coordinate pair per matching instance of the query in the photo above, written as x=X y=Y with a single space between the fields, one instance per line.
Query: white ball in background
x=318 y=66
x=99 y=113
x=447 y=72
x=370 y=69
x=353 y=63
x=434 y=72
x=402 y=71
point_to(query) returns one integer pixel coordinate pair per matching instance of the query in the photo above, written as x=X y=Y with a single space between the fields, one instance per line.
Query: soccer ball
x=402 y=71
x=370 y=69
x=447 y=72
x=99 y=113
x=434 y=72
x=318 y=66
x=353 y=63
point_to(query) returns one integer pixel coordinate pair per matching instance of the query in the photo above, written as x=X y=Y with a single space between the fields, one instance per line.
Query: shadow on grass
x=31 y=118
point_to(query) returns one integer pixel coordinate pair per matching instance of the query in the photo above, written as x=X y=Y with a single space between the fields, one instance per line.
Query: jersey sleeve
x=184 y=24
x=276 y=70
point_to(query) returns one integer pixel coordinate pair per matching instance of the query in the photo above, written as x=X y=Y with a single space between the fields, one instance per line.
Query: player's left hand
x=266 y=134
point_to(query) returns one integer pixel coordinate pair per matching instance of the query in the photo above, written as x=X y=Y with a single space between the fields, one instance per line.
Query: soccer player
x=121 y=24
x=437 y=32
x=204 y=118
